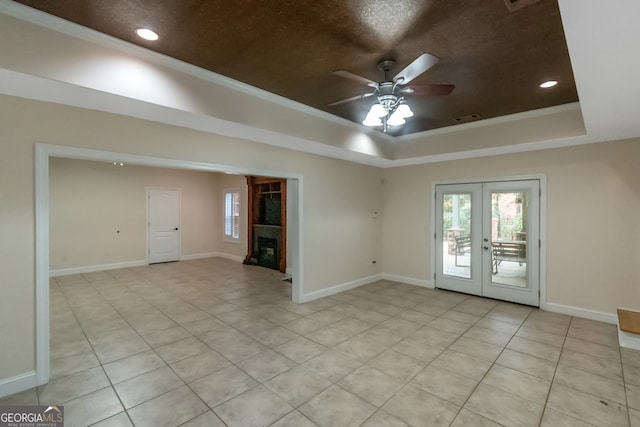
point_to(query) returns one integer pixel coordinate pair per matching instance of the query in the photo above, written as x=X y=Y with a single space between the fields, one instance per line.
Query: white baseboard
x=22 y=382
x=199 y=256
x=580 y=312
x=129 y=264
x=94 y=268
x=230 y=257
x=407 y=280
x=625 y=339
x=340 y=288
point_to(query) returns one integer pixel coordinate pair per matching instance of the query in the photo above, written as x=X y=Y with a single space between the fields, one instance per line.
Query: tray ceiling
x=495 y=57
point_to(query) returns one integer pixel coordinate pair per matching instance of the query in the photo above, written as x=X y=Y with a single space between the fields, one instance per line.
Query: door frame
x=43 y=152
x=543 y=223
x=148 y=191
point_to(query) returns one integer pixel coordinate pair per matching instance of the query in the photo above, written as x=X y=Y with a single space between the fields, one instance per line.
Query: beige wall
x=593 y=228
x=593 y=199
x=340 y=237
x=17 y=257
x=91 y=201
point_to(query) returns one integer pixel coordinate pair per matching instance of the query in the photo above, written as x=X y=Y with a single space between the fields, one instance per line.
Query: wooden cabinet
x=267 y=228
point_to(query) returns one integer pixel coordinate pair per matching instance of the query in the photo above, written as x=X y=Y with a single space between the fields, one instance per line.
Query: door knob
x=486 y=248
x=175 y=229
x=485 y=239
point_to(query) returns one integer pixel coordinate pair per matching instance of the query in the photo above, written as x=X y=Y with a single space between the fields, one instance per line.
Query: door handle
x=486 y=248
x=175 y=229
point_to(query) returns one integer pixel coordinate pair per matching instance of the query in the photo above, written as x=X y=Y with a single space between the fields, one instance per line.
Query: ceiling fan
x=390 y=108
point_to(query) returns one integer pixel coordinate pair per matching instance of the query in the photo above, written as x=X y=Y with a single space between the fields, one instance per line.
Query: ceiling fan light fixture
x=377 y=110
x=396 y=119
x=147 y=34
x=548 y=84
x=404 y=111
x=372 y=121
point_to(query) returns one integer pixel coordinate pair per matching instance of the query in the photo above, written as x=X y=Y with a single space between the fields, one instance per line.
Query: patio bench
x=508 y=251
x=463 y=246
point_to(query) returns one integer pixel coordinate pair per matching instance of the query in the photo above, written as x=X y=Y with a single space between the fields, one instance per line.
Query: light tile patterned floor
x=213 y=343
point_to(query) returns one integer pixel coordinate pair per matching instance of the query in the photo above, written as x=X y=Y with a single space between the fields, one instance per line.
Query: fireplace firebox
x=268 y=252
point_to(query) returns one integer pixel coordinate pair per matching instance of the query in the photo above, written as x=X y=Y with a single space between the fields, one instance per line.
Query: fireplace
x=266 y=245
x=268 y=252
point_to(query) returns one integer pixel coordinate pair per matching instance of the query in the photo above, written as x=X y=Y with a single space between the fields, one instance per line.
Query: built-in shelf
x=267 y=220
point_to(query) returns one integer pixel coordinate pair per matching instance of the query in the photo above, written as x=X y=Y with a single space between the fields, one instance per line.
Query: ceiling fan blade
x=430 y=90
x=350 y=76
x=353 y=98
x=421 y=64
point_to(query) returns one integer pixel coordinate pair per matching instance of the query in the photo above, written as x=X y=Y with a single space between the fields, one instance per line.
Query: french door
x=487 y=239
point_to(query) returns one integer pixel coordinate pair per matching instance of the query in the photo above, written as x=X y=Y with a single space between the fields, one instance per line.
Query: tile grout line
x=553 y=377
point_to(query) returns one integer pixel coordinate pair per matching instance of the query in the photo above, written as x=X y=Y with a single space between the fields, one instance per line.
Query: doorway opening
x=44 y=152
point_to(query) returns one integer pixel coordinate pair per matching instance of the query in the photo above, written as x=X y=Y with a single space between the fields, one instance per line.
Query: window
x=232 y=214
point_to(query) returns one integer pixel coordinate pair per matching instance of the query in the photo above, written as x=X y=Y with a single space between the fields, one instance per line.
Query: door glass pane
x=509 y=220
x=456 y=235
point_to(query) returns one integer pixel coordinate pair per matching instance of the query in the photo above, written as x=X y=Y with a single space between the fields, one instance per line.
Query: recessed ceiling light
x=147 y=34
x=548 y=83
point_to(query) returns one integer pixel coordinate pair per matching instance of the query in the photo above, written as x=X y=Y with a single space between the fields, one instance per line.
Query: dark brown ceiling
x=495 y=58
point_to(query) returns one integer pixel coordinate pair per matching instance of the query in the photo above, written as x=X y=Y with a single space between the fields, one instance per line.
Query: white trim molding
x=230 y=257
x=569 y=310
x=18 y=383
x=340 y=288
x=407 y=280
x=42 y=265
x=627 y=340
x=93 y=268
x=202 y=255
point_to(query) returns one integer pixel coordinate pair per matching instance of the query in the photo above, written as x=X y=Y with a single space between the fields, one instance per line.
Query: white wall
x=98 y=212
x=593 y=198
x=340 y=237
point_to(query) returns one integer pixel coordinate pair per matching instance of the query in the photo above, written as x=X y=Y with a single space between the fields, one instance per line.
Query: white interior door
x=164 y=225
x=487 y=239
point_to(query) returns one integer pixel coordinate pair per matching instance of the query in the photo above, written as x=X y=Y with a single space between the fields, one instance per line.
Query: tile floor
x=214 y=343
